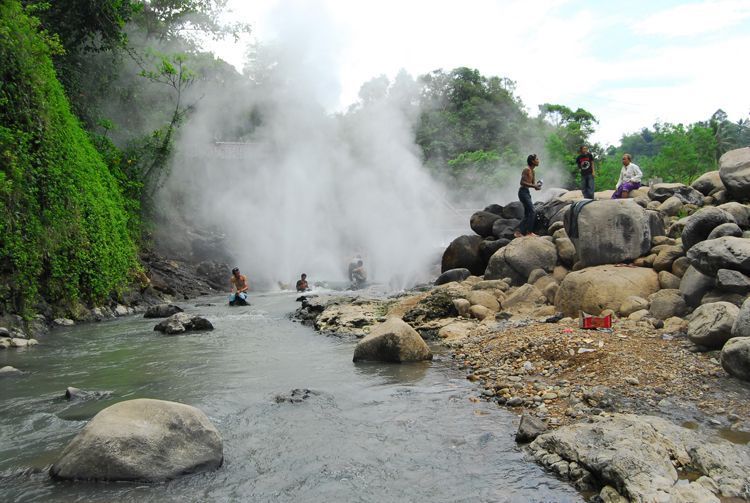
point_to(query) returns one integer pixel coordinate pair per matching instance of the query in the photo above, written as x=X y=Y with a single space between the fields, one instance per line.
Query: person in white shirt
x=630 y=178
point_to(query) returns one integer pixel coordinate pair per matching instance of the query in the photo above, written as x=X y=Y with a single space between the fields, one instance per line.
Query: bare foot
x=531 y=234
x=517 y=234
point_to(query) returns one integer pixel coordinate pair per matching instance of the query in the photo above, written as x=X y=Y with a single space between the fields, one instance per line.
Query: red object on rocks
x=589 y=321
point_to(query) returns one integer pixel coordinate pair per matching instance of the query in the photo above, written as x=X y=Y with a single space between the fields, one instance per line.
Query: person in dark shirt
x=302 y=283
x=585 y=163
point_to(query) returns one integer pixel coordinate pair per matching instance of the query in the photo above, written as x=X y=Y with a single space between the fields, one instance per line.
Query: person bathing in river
x=238 y=288
x=528 y=181
x=630 y=178
x=357 y=275
x=302 y=283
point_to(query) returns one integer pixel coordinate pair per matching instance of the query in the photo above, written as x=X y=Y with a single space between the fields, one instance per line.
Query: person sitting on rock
x=302 y=283
x=238 y=288
x=630 y=178
x=357 y=275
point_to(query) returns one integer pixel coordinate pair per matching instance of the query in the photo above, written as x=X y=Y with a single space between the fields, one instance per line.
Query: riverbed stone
x=483 y=298
x=595 y=289
x=694 y=285
x=728 y=229
x=733 y=281
x=463 y=253
x=741 y=327
x=183 y=322
x=667 y=280
x=740 y=212
x=481 y=222
x=9 y=371
x=142 y=440
x=638 y=454
x=525 y=297
x=700 y=224
x=711 y=324
x=162 y=311
x=632 y=304
x=735 y=357
x=529 y=428
x=708 y=183
x=666 y=304
x=722 y=253
x=452 y=275
x=520 y=257
x=392 y=341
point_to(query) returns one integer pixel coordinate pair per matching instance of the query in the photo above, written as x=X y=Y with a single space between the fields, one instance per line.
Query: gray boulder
x=392 y=341
x=694 y=285
x=717 y=295
x=728 y=229
x=711 y=324
x=162 y=311
x=488 y=247
x=700 y=224
x=520 y=257
x=734 y=170
x=735 y=357
x=666 y=257
x=687 y=195
x=566 y=250
x=671 y=206
x=610 y=231
x=504 y=228
x=463 y=253
x=529 y=428
x=668 y=281
x=513 y=210
x=708 y=182
x=142 y=440
x=667 y=304
x=496 y=209
x=722 y=253
x=183 y=322
x=679 y=266
x=481 y=222
x=733 y=281
x=741 y=327
x=452 y=275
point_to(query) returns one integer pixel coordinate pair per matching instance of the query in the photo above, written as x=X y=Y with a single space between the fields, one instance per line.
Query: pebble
x=632 y=380
x=514 y=401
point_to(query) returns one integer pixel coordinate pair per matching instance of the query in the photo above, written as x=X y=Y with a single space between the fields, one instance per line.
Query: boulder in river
x=182 y=322
x=392 y=341
x=162 y=311
x=142 y=440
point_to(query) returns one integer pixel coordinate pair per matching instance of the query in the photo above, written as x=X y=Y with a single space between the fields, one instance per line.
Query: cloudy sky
x=630 y=63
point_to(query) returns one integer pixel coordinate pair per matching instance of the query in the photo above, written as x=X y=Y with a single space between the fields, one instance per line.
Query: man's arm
x=245 y=286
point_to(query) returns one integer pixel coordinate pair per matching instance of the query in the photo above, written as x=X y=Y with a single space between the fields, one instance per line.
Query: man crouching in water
x=239 y=288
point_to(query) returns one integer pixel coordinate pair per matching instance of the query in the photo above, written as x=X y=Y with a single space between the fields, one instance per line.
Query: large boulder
x=740 y=212
x=520 y=257
x=700 y=224
x=183 y=322
x=728 y=229
x=663 y=191
x=735 y=357
x=513 y=210
x=708 y=182
x=162 y=311
x=392 y=341
x=604 y=287
x=488 y=247
x=610 y=232
x=463 y=252
x=504 y=228
x=694 y=285
x=741 y=327
x=142 y=440
x=481 y=222
x=734 y=170
x=711 y=324
x=722 y=253
x=733 y=281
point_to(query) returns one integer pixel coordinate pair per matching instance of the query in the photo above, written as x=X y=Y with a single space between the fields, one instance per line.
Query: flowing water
x=372 y=432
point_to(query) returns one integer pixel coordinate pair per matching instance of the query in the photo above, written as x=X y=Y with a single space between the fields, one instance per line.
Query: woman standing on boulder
x=528 y=181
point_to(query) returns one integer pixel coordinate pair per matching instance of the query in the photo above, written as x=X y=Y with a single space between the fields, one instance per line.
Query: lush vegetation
x=64 y=223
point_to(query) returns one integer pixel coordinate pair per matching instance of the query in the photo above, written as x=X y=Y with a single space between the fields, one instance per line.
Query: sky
x=630 y=63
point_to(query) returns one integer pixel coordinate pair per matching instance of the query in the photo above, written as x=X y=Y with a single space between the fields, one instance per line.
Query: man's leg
x=528 y=212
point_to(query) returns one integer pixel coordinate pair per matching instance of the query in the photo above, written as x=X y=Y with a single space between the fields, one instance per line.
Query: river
x=370 y=432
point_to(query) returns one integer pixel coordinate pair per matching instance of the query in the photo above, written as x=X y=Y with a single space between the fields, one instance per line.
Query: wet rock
x=453 y=275
x=392 y=341
x=481 y=222
x=76 y=394
x=734 y=170
x=711 y=324
x=9 y=371
x=142 y=440
x=297 y=395
x=162 y=311
x=182 y=322
x=595 y=289
x=529 y=428
x=637 y=455
x=463 y=253
x=735 y=357
x=700 y=224
x=438 y=304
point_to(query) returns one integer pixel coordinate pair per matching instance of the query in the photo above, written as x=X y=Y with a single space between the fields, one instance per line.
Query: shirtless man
x=302 y=285
x=528 y=181
x=238 y=288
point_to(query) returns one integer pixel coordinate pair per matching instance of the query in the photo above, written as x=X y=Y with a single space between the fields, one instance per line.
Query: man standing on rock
x=239 y=288
x=630 y=178
x=528 y=181
x=585 y=163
